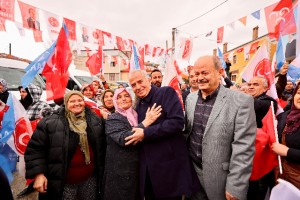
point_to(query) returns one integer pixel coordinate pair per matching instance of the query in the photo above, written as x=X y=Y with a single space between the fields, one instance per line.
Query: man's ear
x=221 y=71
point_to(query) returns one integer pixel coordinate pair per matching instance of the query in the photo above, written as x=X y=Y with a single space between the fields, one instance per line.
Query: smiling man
x=165 y=169
x=220 y=132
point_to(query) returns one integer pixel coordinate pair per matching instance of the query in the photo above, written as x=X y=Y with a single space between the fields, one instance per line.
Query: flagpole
x=276 y=136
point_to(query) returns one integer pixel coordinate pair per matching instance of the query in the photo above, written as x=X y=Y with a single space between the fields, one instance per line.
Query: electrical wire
x=202 y=14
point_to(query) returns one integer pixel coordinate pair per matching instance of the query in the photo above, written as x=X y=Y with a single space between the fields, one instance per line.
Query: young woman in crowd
x=122 y=162
x=107 y=107
x=88 y=91
x=66 y=153
x=289 y=134
x=26 y=99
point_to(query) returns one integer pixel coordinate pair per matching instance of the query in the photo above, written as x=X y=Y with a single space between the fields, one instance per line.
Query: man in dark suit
x=165 y=169
x=32 y=21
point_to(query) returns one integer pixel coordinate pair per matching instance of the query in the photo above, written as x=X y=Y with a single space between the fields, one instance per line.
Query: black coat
x=48 y=150
x=121 y=176
x=261 y=106
x=4 y=96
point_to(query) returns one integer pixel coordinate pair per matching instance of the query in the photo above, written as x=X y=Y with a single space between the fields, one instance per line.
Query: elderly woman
x=88 y=91
x=66 y=152
x=289 y=134
x=122 y=162
x=107 y=107
x=3 y=90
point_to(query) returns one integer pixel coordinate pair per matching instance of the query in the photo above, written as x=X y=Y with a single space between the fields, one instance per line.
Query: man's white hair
x=143 y=72
x=265 y=81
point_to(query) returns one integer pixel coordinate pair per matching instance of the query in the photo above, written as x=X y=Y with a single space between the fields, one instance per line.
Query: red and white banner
x=170 y=77
x=53 y=24
x=280 y=18
x=120 y=43
x=260 y=65
x=2 y=24
x=71 y=25
x=7 y=9
x=184 y=47
x=220 y=34
x=30 y=16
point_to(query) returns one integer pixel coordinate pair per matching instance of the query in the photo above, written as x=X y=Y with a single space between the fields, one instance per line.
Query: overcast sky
x=151 y=21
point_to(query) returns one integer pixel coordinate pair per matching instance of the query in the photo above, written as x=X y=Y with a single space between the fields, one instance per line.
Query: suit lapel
x=219 y=103
x=192 y=106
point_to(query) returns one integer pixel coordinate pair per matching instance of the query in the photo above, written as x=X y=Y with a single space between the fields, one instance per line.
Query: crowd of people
x=149 y=147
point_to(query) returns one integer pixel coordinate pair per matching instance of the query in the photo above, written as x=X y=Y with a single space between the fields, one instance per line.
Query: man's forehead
x=256 y=80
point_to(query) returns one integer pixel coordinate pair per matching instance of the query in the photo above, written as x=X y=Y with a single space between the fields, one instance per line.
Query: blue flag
x=256 y=14
x=280 y=57
x=8 y=123
x=220 y=55
x=294 y=72
x=36 y=66
x=136 y=58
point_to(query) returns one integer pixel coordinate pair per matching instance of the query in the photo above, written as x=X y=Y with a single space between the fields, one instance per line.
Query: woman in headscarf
x=66 y=153
x=3 y=90
x=107 y=107
x=88 y=91
x=26 y=99
x=121 y=176
x=289 y=134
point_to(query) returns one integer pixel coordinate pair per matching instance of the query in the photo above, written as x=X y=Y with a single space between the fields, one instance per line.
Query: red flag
x=30 y=16
x=7 y=9
x=94 y=63
x=280 y=15
x=239 y=50
x=141 y=57
x=3 y=109
x=56 y=69
x=243 y=20
x=147 y=50
x=154 y=51
x=2 y=25
x=253 y=47
x=220 y=34
x=264 y=158
x=71 y=25
x=120 y=43
x=171 y=77
x=100 y=37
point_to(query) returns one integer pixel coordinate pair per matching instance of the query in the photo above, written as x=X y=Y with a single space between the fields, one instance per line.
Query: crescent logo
x=95 y=35
x=263 y=68
x=53 y=21
x=284 y=11
x=21 y=136
x=273 y=13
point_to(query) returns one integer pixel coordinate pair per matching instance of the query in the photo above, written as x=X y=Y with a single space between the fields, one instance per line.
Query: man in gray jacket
x=221 y=129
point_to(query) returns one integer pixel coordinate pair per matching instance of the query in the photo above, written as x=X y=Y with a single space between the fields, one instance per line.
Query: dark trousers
x=149 y=193
x=258 y=189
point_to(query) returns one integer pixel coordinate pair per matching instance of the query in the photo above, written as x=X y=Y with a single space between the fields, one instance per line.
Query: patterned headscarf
x=130 y=113
x=78 y=124
x=4 y=84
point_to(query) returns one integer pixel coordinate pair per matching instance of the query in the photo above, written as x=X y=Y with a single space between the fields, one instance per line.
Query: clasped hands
x=138 y=133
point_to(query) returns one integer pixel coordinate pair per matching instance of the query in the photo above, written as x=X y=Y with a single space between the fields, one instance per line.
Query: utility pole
x=9 y=49
x=173 y=40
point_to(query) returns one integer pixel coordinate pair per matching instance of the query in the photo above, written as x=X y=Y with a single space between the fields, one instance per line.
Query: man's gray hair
x=265 y=81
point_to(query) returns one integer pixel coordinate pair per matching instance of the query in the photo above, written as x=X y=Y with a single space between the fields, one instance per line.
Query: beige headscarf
x=77 y=123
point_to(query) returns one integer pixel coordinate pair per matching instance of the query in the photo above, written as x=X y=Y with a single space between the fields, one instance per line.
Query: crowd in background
x=147 y=147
